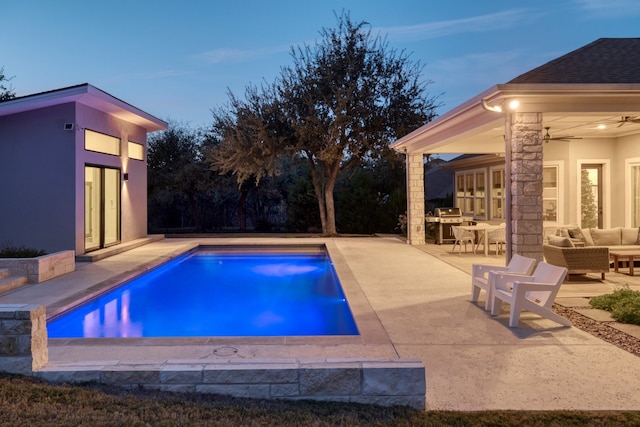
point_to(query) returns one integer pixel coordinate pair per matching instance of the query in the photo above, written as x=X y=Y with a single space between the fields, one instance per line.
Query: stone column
x=526 y=184
x=23 y=338
x=415 y=199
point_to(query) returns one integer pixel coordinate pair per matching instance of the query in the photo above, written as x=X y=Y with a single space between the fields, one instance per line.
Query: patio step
x=12 y=282
x=117 y=249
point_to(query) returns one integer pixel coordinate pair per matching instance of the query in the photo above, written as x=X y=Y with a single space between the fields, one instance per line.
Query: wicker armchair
x=589 y=259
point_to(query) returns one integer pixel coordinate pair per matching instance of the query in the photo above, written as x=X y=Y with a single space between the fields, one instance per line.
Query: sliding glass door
x=101 y=207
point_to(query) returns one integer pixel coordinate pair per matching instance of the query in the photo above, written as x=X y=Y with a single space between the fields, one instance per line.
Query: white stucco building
x=73 y=171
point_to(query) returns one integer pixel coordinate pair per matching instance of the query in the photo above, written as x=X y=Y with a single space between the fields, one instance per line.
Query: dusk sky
x=177 y=59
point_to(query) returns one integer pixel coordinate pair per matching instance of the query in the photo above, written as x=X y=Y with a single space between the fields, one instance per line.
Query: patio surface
x=410 y=302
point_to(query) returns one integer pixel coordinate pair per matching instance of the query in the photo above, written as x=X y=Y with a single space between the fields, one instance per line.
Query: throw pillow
x=563 y=242
x=586 y=233
x=576 y=233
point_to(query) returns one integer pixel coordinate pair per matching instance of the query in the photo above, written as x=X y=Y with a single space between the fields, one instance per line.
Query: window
x=471 y=193
x=550 y=193
x=101 y=143
x=634 y=199
x=136 y=151
x=497 y=194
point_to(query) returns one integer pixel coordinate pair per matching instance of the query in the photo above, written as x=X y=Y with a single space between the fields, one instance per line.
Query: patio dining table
x=482 y=228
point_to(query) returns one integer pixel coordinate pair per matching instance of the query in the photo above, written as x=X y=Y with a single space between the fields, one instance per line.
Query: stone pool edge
x=376 y=381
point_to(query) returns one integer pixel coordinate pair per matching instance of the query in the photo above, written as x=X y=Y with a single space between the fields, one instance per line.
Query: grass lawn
x=28 y=402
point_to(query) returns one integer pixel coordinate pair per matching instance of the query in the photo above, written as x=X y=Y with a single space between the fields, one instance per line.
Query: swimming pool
x=220 y=292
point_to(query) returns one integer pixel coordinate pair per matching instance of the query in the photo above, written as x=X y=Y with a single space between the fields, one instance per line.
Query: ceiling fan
x=628 y=119
x=547 y=137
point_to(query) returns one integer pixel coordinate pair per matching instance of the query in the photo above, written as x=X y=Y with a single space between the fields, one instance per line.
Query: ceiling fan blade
x=547 y=137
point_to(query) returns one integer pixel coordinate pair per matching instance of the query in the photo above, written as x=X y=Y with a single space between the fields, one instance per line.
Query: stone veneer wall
x=381 y=382
x=23 y=350
x=415 y=199
x=23 y=338
x=41 y=268
x=526 y=184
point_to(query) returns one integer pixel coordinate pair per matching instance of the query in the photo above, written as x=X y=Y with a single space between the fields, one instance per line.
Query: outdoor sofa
x=586 y=250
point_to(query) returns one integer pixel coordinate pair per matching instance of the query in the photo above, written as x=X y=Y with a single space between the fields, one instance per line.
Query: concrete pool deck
x=409 y=305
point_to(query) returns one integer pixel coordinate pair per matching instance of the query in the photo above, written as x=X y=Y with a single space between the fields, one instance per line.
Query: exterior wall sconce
x=125 y=177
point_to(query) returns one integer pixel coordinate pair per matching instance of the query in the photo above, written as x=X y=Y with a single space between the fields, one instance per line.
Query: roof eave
x=87 y=95
x=472 y=116
x=466 y=116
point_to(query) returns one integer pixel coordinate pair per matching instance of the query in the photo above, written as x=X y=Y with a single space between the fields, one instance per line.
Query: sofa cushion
x=563 y=242
x=606 y=237
x=588 y=240
x=629 y=236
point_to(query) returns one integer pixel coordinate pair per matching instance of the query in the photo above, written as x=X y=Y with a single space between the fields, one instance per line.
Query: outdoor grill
x=443 y=219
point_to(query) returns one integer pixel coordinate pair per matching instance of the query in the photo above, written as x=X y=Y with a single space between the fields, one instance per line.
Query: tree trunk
x=331 y=211
x=317 y=188
x=331 y=176
x=324 y=182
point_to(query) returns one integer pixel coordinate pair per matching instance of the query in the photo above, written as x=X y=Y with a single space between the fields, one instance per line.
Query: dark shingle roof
x=605 y=60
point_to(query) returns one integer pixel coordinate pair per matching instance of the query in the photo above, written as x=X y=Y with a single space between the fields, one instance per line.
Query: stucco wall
x=133 y=191
x=42 y=176
x=612 y=152
x=569 y=155
x=37 y=179
x=626 y=148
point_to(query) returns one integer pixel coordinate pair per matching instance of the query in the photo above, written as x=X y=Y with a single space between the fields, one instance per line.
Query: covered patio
x=591 y=94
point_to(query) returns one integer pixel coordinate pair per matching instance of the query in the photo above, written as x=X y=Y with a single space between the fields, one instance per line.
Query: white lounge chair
x=482 y=275
x=534 y=293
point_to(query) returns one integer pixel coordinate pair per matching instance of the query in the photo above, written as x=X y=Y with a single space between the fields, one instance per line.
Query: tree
x=6 y=93
x=345 y=99
x=176 y=165
x=340 y=103
x=245 y=140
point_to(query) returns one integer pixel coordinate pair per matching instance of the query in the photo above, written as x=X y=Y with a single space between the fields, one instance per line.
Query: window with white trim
x=470 y=192
x=101 y=143
x=497 y=193
x=634 y=175
x=135 y=150
x=550 y=190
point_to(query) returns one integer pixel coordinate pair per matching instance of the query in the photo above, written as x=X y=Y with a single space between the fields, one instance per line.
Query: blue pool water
x=207 y=293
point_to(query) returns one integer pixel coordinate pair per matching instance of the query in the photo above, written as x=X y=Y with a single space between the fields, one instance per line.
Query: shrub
x=9 y=251
x=624 y=305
